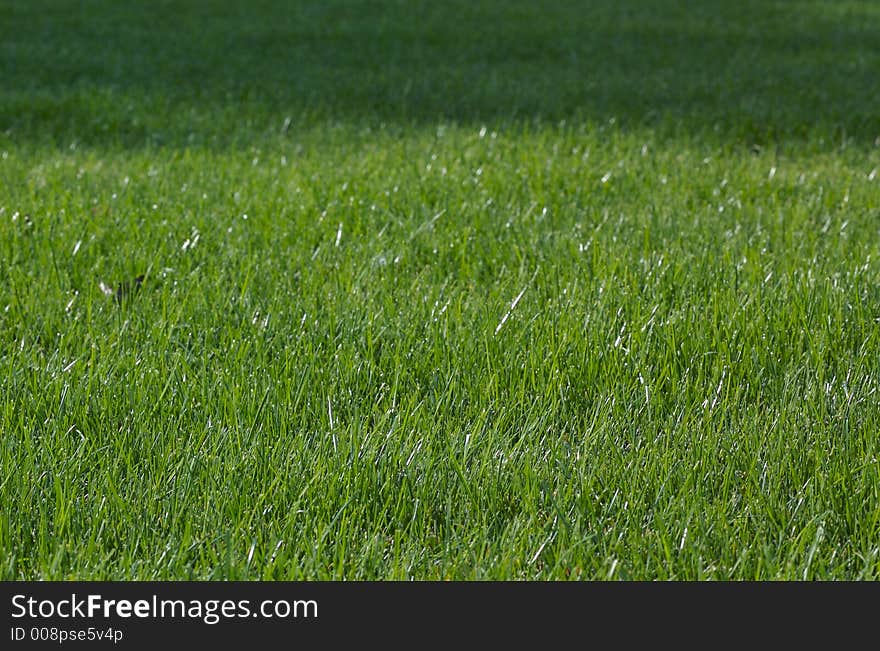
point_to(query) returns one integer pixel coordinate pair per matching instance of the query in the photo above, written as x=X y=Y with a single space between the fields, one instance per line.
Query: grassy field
x=464 y=290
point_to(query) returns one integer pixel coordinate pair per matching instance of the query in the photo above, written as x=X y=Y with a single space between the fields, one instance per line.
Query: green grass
x=461 y=290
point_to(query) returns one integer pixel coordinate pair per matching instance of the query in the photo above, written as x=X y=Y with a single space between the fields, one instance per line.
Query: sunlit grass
x=393 y=341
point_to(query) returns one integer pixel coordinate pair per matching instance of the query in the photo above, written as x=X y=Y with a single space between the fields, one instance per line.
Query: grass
x=579 y=290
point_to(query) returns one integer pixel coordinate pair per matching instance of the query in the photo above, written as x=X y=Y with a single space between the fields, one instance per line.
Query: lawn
x=440 y=290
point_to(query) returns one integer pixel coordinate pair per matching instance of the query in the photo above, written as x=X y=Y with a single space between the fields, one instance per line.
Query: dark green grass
x=510 y=290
